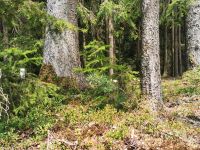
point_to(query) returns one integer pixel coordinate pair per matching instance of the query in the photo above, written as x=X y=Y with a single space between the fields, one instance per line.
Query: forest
x=100 y=74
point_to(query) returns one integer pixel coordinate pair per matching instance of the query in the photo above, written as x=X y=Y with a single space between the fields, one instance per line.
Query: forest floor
x=77 y=126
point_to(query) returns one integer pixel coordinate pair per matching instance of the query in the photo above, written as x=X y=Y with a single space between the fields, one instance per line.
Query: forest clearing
x=100 y=74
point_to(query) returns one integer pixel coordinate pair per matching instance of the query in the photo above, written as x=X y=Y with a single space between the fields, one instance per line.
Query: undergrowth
x=102 y=117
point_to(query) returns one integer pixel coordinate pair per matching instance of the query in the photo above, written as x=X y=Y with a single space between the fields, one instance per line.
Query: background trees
x=109 y=41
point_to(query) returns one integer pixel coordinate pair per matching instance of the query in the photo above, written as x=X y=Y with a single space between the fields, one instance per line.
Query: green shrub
x=192 y=79
x=119 y=133
x=13 y=59
x=31 y=101
x=34 y=105
x=103 y=90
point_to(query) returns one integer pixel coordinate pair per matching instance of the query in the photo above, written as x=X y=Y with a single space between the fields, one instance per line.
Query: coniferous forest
x=100 y=74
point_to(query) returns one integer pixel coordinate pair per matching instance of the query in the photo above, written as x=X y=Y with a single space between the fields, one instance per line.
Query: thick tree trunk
x=150 y=63
x=61 y=50
x=193 y=34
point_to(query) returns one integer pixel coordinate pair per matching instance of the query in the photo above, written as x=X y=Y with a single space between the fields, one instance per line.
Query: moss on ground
x=48 y=74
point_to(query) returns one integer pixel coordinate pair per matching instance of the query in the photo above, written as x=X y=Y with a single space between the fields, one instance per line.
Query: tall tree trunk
x=5 y=32
x=184 y=46
x=82 y=41
x=166 y=64
x=138 y=52
x=193 y=34
x=150 y=63
x=176 y=48
x=61 y=50
x=167 y=53
x=111 y=43
x=180 y=51
x=173 y=51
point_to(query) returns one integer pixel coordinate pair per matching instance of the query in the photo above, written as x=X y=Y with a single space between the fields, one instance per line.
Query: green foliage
x=175 y=11
x=13 y=59
x=79 y=115
x=119 y=133
x=24 y=17
x=37 y=95
x=86 y=15
x=103 y=90
x=33 y=108
x=121 y=12
x=96 y=58
x=59 y=25
x=192 y=78
x=31 y=19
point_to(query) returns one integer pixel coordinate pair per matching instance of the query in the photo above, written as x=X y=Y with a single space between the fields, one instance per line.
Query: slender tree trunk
x=193 y=34
x=185 y=52
x=180 y=51
x=5 y=33
x=173 y=55
x=111 y=43
x=138 y=55
x=167 y=61
x=166 y=53
x=176 y=48
x=61 y=50
x=150 y=63
x=82 y=41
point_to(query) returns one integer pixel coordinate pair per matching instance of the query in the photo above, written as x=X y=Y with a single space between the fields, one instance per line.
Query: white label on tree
x=22 y=73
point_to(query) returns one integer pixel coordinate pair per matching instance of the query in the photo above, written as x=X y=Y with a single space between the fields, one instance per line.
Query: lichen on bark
x=193 y=34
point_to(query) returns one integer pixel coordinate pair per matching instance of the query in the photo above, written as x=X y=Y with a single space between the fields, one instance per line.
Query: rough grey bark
x=61 y=50
x=193 y=34
x=151 y=77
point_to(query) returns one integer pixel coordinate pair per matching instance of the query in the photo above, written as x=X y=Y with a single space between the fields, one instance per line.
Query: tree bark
x=176 y=48
x=150 y=63
x=173 y=51
x=180 y=51
x=61 y=50
x=5 y=33
x=111 y=43
x=166 y=61
x=193 y=34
